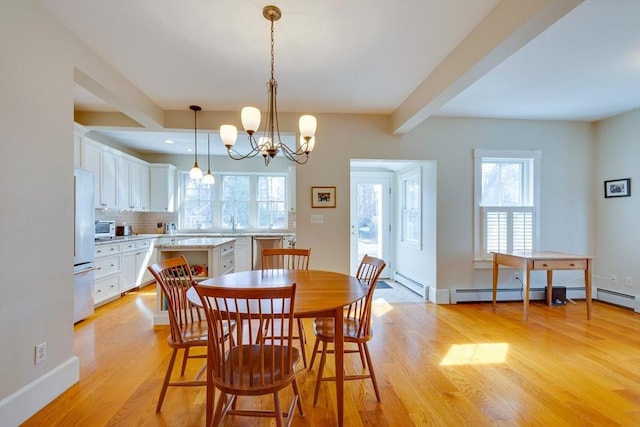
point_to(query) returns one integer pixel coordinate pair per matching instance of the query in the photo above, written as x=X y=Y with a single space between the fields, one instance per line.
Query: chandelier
x=270 y=143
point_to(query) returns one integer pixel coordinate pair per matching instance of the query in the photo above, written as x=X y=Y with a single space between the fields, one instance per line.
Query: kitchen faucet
x=233 y=224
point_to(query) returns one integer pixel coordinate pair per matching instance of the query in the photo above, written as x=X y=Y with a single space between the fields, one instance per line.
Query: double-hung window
x=235 y=201
x=411 y=202
x=197 y=207
x=506 y=201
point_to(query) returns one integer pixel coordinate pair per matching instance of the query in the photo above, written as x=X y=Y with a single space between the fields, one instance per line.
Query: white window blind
x=507 y=229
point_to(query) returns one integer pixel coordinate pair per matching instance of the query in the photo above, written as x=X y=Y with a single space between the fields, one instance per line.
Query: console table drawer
x=563 y=264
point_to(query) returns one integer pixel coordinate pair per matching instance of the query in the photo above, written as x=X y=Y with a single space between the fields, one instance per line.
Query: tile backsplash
x=140 y=222
x=147 y=222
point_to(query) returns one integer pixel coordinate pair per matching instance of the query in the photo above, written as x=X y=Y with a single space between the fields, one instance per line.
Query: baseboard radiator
x=407 y=281
x=617 y=298
x=515 y=294
x=507 y=294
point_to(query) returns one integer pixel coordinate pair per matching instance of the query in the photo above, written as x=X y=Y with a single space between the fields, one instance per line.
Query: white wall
x=36 y=193
x=618 y=219
x=567 y=168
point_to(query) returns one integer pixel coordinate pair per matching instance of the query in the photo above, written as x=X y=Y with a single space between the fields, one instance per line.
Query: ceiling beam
x=509 y=26
x=125 y=98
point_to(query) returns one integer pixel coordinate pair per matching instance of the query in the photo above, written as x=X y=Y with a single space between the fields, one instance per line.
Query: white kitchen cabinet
x=122 y=266
x=107 y=278
x=161 y=187
x=124 y=184
x=134 y=258
x=105 y=289
x=242 y=255
x=147 y=258
x=225 y=257
x=133 y=184
x=144 y=188
x=104 y=165
x=108 y=180
x=128 y=273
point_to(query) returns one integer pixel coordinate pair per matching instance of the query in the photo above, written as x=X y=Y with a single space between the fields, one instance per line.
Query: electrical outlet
x=628 y=281
x=41 y=353
x=613 y=279
x=516 y=276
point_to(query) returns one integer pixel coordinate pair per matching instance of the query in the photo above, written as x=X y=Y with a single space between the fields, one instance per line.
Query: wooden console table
x=547 y=260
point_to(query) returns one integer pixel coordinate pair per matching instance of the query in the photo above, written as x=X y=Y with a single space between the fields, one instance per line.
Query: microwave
x=105 y=229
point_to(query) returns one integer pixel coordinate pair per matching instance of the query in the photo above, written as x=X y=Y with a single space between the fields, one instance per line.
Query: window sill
x=482 y=264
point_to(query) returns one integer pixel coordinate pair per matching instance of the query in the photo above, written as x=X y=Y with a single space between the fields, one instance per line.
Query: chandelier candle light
x=270 y=143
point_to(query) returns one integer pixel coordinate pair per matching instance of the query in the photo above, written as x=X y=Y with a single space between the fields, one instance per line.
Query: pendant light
x=208 y=178
x=195 y=172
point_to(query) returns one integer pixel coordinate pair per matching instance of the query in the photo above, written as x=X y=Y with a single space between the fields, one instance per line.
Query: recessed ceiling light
x=168 y=141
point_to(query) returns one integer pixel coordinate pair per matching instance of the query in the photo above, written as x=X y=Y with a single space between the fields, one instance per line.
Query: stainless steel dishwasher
x=260 y=242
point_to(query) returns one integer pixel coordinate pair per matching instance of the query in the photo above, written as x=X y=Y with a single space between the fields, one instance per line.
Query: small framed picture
x=323 y=197
x=617 y=188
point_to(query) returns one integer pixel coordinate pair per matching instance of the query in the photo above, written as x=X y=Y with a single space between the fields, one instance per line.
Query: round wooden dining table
x=318 y=294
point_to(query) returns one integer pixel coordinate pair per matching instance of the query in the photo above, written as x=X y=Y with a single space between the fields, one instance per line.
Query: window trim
x=479 y=260
x=402 y=178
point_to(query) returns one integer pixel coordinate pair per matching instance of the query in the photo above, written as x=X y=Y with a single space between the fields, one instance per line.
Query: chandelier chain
x=273 y=55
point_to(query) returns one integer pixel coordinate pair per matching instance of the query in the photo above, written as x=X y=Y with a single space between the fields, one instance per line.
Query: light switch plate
x=317 y=219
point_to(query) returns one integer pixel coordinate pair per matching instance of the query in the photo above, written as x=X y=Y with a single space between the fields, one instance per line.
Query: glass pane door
x=369 y=218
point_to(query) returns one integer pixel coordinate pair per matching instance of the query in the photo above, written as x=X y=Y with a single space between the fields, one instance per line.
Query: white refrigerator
x=84 y=242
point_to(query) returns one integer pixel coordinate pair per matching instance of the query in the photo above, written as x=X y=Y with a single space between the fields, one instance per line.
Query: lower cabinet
x=121 y=267
x=242 y=255
x=106 y=289
x=107 y=278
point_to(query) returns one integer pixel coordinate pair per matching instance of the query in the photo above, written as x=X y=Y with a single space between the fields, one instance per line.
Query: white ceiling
x=355 y=56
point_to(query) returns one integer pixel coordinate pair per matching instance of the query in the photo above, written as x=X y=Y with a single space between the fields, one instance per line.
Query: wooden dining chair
x=285 y=258
x=289 y=259
x=188 y=327
x=252 y=366
x=357 y=328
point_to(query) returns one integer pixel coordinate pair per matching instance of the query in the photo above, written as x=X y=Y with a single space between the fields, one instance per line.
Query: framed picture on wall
x=617 y=188
x=323 y=197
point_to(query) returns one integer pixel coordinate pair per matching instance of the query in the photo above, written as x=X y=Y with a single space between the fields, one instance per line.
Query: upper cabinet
x=121 y=181
x=161 y=187
x=104 y=165
x=133 y=184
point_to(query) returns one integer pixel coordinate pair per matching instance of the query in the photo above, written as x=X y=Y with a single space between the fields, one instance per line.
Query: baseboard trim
x=21 y=405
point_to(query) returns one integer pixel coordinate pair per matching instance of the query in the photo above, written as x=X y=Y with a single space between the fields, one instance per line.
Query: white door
x=370 y=218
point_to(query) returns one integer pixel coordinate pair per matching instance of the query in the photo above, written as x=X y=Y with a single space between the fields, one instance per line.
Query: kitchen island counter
x=196 y=243
x=207 y=257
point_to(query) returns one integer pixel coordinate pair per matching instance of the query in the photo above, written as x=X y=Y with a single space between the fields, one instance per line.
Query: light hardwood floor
x=448 y=365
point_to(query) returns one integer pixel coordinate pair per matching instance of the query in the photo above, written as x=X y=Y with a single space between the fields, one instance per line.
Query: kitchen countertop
x=120 y=239
x=196 y=243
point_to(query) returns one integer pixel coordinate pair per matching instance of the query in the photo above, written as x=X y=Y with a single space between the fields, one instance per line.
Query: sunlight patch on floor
x=380 y=307
x=476 y=354
x=143 y=308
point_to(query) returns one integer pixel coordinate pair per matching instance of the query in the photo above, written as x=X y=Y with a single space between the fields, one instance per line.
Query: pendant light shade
x=208 y=178
x=195 y=172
